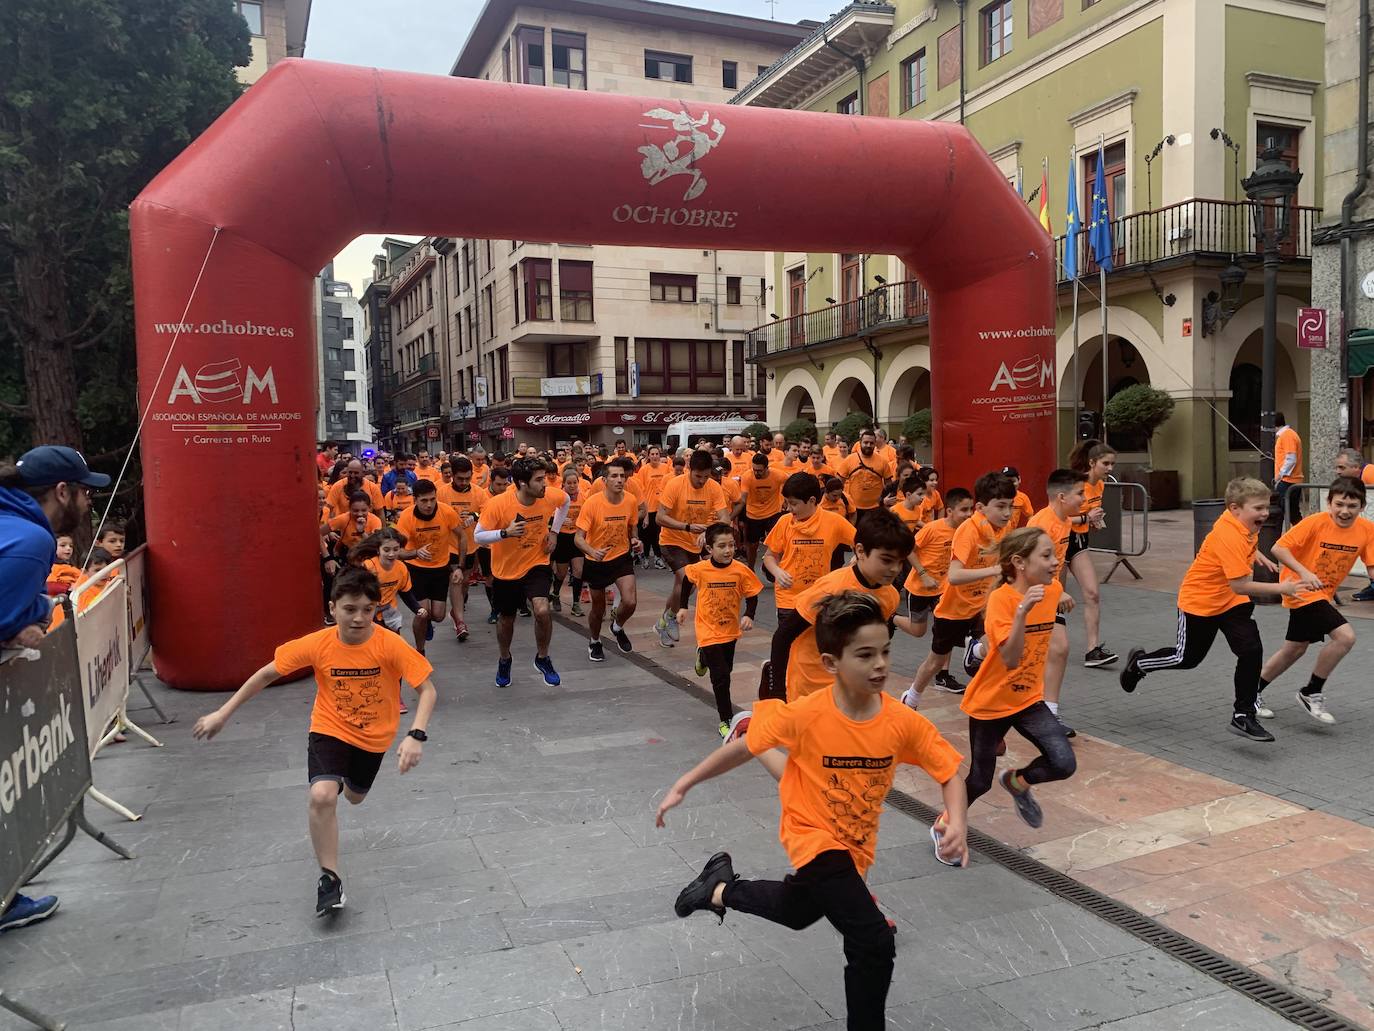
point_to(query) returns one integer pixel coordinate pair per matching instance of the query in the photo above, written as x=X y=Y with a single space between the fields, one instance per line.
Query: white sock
x=978 y=650
x=1053 y=707
x=615 y=627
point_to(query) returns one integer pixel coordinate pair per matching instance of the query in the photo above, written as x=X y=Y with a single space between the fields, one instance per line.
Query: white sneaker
x=1261 y=710
x=910 y=698
x=1315 y=704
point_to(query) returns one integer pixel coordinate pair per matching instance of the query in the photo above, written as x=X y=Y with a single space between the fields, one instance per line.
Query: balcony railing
x=888 y=307
x=1190 y=228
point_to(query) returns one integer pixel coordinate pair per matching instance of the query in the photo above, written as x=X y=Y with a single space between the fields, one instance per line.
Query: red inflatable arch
x=316 y=154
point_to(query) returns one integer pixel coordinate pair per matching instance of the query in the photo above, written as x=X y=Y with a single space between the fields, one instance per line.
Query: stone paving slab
x=514 y=882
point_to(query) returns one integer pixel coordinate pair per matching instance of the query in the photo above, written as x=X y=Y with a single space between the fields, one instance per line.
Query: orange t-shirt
x=774 y=456
x=607 y=525
x=1058 y=530
x=975 y=545
x=1327 y=551
x=651 y=479
x=1092 y=498
x=436 y=534
x=805 y=673
x=513 y=557
x=481 y=475
x=1287 y=442
x=719 y=595
x=1021 y=510
x=741 y=464
x=465 y=503
x=932 y=505
x=575 y=508
x=804 y=549
x=430 y=473
x=1227 y=553
x=934 y=542
x=633 y=489
x=358 y=699
x=864 y=478
x=394 y=503
x=822 y=472
x=337 y=498
x=347 y=528
x=839 y=770
x=996 y=691
x=732 y=491
x=687 y=504
x=833 y=456
x=910 y=516
x=842 y=507
x=393 y=581
x=64 y=574
x=764 y=496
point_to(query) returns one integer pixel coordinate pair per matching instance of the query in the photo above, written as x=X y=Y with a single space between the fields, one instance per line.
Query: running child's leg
x=983 y=738
x=719 y=660
x=1056 y=760
x=1242 y=634
x=1081 y=565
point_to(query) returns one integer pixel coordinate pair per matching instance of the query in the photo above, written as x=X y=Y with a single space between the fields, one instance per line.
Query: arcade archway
x=227 y=239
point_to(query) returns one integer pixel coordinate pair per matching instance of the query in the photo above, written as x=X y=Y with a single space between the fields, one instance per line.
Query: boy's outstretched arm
x=213 y=722
x=721 y=760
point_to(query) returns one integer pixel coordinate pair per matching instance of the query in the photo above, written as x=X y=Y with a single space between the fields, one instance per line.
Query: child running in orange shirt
x=930 y=566
x=1064 y=488
x=1215 y=596
x=843 y=747
x=1096 y=461
x=1007 y=691
x=722 y=582
x=1323 y=547
x=358 y=672
x=1021 y=509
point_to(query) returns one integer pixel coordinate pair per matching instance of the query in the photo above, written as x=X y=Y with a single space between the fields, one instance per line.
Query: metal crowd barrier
x=1126 y=533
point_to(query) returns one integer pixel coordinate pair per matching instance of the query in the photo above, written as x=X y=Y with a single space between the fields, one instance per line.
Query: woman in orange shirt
x=566 y=555
x=1008 y=690
x=1097 y=460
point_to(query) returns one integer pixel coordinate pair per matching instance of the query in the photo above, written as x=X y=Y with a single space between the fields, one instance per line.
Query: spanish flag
x=1045 y=201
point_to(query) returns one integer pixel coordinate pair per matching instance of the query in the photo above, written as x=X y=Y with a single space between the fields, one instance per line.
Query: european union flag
x=1072 y=226
x=1100 y=229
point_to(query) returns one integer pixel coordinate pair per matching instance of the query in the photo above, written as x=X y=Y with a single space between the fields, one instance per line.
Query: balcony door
x=1114 y=173
x=851 y=287
x=796 y=307
x=1283 y=138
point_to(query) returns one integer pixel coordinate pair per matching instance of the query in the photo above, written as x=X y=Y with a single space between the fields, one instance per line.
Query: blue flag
x=1100 y=229
x=1072 y=226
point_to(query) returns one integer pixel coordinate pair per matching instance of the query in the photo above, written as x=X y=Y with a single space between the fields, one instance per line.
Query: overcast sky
x=426 y=35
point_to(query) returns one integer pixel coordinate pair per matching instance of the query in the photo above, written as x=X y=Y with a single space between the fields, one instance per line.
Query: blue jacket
x=389 y=481
x=27 y=552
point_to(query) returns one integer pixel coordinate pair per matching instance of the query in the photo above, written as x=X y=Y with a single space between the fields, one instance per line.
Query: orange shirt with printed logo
x=719 y=592
x=337 y=498
x=839 y=770
x=932 y=505
x=732 y=491
x=1227 y=553
x=513 y=557
x=1092 y=498
x=358 y=697
x=740 y=464
x=436 y=534
x=995 y=690
x=805 y=673
x=933 y=544
x=430 y=473
x=399 y=503
x=651 y=479
x=347 y=528
x=1328 y=552
x=465 y=503
x=975 y=545
x=687 y=504
x=911 y=517
x=1287 y=442
x=607 y=525
x=833 y=456
x=763 y=496
x=842 y=506
x=803 y=550
x=1058 y=531
x=1021 y=510
x=393 y=580
x=864 y=478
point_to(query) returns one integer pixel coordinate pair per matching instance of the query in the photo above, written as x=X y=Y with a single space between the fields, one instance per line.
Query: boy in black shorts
x=358 y=671
x=433 y=533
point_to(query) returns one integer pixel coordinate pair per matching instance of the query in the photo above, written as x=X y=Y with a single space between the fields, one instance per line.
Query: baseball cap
x=1010 y=470
x=51 y=463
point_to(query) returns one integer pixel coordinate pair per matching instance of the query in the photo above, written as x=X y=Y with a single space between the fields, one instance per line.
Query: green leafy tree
x=1139 y=410
x=798 y=430
x=757 y=430
x=96 y=97
x=852 y=425
x=916 y=428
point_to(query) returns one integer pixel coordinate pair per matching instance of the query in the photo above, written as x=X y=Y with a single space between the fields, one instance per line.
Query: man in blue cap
x=46 y=493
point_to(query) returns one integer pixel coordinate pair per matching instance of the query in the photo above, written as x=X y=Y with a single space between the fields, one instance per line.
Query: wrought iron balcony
x=889 y=307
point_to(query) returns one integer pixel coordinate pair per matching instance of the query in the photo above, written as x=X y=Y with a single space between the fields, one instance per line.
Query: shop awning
x=1359 y=353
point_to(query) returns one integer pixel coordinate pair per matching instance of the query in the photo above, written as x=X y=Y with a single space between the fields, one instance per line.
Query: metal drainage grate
x=1287 y=1004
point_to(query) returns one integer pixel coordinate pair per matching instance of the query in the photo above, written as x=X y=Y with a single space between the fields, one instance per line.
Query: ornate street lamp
x=1270 y=187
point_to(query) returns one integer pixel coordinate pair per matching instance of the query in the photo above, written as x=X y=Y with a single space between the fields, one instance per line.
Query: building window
x=503 y=371
x=538 y=276
x=491 y=311
x=252 y=14
x=737 y=373
x=668 y=67
x=569 y=60
x=348 y=329
x=505 y=62
x=529 y=44
x=568 y=359
x=575 y=291
x=668 y=286
x=914 y=80
x=681 y=366
x=1114 y=172
x=334 y=354
x=996 y=22
x=350 y=390
x=732 y=289
x=515 y=297
x=622 y=365
x=729 y=75
x=849 y=105
x=350 y=360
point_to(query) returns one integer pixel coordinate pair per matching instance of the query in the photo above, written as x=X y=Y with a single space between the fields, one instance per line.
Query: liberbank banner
x=661 y=417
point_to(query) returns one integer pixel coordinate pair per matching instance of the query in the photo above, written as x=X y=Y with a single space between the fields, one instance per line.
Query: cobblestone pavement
x=515 y=882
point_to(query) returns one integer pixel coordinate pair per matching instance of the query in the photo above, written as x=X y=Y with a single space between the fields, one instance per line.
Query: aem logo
x=221 y=383
x=1027 y=374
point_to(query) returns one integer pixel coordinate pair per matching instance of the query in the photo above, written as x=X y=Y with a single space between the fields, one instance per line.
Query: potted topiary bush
x=757 y=430
x=798 y=430
x=917 y=430
x=852 y=425
x=1140 y=410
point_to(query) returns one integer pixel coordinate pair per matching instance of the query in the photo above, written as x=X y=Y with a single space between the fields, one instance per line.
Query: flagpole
x=1071 y=242
x=1102 y=297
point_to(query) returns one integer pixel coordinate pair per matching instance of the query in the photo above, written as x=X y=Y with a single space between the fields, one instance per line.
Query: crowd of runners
x=857 y=541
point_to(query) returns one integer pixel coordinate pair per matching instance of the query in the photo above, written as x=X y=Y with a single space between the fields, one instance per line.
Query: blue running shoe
x=429 y=631
x=503 y=672
x=545 y=666
x=24 y=910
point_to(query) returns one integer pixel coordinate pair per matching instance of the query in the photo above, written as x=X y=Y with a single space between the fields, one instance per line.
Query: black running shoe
x=697 y=895
x=1248 y=726
x=622 y=639
x=556 y=602
x=1068 y=730
x=1099 y=656
x=525 y=610
x=492 y=618
x=945 y=681
x=595 y=652
x=329 y=896
x=971 y=660
x=1026 y=807
x=1131 y=673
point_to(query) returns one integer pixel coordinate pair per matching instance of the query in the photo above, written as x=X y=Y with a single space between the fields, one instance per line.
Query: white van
x=685 y=434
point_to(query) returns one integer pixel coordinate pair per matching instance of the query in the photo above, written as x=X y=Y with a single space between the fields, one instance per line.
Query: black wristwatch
x=418 y=735
x=503 y=534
